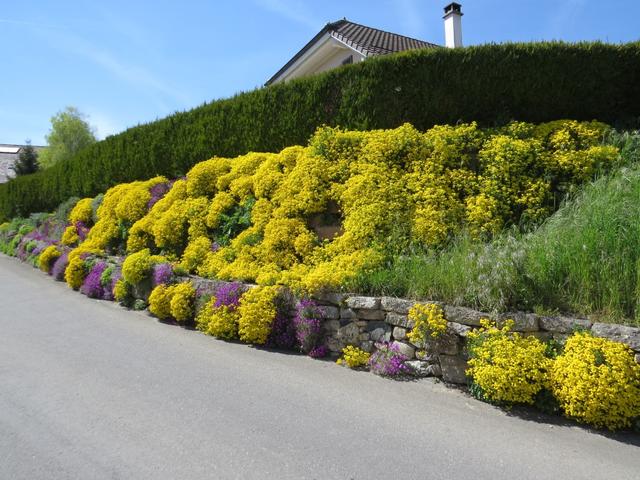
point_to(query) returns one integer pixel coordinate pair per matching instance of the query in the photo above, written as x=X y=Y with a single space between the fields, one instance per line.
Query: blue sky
x=129 y=62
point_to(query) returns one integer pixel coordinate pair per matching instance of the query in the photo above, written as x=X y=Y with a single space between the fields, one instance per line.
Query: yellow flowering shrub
x=182 y=302
x=353 y=357
x=75 y=272
x=507 y=367
x=202 y=179
x=122 y=291
x=257 y=312
x=315 y=217
x=140 y=236
x=429 y=322
x=70 y=236
x=220 y=322
x=136 y=267
x=121 y=206
x=160 y=301
x=47 y=257
x=222 y=202
x=82 y=212
x=195 y=254
x=597 y=381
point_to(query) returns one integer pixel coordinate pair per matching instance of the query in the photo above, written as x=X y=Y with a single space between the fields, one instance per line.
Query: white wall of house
x=326 y=54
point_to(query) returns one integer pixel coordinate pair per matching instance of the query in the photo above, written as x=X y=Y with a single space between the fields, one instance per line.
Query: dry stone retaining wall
x=363 y=321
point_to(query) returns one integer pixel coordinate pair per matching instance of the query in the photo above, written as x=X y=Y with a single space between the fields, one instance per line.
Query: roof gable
x=366 y=40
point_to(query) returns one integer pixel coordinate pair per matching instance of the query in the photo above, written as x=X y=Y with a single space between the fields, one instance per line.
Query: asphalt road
x=91 y=391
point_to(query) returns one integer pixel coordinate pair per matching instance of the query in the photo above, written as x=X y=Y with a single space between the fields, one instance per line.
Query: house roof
x=366 y=40
x=9 y=153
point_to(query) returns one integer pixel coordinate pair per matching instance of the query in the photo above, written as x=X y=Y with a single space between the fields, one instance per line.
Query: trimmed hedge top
x=490 y=84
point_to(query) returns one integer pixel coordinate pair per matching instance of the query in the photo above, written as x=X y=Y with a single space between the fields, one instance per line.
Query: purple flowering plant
x=162 y=274
x=228 y=295
x=387 y=361
x=92 y=285
x=319 y=352
x=283 y=330
x=109 y=279
x=82 y=230
x=60 y=265
x=157 y=192
x=308 y=325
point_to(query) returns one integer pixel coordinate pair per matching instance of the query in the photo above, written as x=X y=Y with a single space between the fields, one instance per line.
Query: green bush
x=490 y=84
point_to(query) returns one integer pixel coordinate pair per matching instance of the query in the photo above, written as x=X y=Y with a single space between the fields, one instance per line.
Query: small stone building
x=9 y=154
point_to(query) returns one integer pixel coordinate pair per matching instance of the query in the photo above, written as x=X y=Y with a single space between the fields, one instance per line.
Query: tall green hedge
x=490 y=84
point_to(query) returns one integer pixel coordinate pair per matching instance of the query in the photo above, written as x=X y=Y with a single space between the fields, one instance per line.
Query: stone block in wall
x=399 y=333
x=365 y=314
x=330 y=313
x=463 y=315
x=424 y=369
x=377 y=335
x=374 y=325
x=330 y=298
x=334 y=345
x=523 y=322
x=366 y=303
x=405 y=349
x=564 y=324
x=618 y=333
x=453 y=369
x=396 y=305
x=367 y=346
x=349 y=334
x=448 y=343
x=399 y=320
x=142 y=290
x=364 y=337
x=426 y=356
x=347 y=313
x=331 y=325
x=459 y=329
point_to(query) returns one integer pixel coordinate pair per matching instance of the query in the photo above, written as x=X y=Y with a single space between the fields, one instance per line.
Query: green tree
x=70 y=133
x=27 y=162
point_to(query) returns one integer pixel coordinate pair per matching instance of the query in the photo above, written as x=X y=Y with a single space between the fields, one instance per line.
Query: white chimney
x=453 y=25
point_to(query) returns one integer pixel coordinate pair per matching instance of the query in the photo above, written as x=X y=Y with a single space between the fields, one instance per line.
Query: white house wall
x=327 y=54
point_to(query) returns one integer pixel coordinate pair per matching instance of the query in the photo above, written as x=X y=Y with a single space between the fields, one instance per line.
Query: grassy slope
x=584 y=260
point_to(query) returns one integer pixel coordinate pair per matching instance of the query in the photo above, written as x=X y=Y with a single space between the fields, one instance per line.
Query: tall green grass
x=584 y=260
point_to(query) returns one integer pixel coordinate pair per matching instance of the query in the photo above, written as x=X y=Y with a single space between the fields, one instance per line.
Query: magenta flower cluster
x=308 y=326
x=388 y=361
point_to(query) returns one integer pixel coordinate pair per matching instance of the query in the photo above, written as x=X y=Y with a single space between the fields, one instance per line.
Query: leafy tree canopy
x=70 y=133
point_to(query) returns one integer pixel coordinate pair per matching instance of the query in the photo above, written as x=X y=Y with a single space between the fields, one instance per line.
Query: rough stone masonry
x=363 y=321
